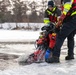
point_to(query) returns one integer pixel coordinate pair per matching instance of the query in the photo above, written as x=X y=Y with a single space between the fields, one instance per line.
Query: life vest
x=69 y=10
x=72 y=11
x=52 y=15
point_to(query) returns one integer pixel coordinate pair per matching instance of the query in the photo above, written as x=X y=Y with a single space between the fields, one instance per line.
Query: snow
x=18 y=35
x=11 y=26
x=62 y=68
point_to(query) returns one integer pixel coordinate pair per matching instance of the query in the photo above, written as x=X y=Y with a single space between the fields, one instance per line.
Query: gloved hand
x=47 y=54
x=59 y=23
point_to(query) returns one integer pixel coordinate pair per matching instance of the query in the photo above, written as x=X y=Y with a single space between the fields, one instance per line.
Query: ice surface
x=11 y=67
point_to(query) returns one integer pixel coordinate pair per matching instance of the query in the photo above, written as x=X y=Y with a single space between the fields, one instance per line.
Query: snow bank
x=12 y=26
x=18 y=36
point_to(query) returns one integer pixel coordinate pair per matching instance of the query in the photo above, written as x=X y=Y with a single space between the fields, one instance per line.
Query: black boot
x=69 y=57
x=53 y=59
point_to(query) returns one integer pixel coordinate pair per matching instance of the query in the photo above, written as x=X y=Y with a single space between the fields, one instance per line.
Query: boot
x=69 y=57
x=53 y=59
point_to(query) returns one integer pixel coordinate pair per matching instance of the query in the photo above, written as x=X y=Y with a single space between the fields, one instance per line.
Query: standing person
x=68 y=22
x=70 y=39
x=51 y=15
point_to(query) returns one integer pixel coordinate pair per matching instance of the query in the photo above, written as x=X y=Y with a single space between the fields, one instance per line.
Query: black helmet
x=48 y=28
x=50 y=3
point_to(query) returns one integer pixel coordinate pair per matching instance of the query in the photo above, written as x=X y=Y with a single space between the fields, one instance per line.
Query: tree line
x=22 y=11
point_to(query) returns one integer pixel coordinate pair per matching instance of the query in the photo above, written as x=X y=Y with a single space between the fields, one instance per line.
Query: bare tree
x=37 y=15
x=43 y=6
x=33 y=16
x=19 y=10
x=3 y=10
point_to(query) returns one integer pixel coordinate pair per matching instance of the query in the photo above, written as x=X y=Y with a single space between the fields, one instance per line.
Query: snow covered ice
x=11 y=66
